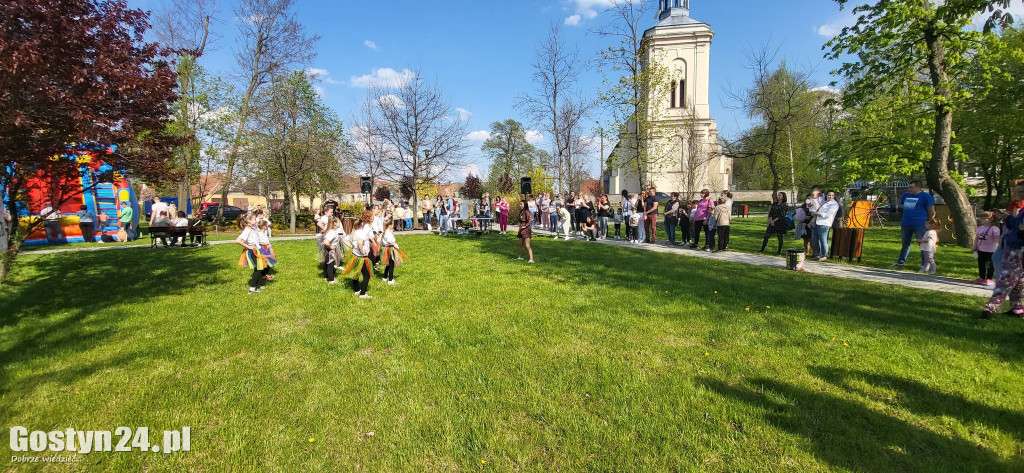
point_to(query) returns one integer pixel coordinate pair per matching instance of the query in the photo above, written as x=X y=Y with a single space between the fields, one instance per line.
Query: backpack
x=788 y=222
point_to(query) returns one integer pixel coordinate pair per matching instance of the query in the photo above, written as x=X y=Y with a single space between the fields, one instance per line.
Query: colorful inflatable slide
x=99 y=187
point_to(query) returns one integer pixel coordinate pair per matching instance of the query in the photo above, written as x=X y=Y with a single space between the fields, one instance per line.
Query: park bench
x=197 y=230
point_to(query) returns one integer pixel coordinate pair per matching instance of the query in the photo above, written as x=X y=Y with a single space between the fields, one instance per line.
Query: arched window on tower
x=682 y=93
x=679 y=85
x=673 y=96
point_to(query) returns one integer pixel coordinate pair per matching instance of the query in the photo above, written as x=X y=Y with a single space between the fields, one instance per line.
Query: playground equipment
x=98 y=186
x=871 y=204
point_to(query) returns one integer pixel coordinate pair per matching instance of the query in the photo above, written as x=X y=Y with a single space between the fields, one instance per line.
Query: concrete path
x=845 y=271
x=104 y=246
x=838 y=270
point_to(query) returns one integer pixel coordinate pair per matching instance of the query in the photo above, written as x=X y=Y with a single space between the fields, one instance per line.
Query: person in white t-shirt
x=824 y=216
x=179 y=221
x=51 y=224
x=251 y=257
x=155 y=210
x=391 y=254
x=361 y=265
x=928 y=244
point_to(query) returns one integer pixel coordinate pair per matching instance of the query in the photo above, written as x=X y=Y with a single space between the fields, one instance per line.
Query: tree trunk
x=9 y=239
x=939 y=179
x=233 y=153
x=291 y=205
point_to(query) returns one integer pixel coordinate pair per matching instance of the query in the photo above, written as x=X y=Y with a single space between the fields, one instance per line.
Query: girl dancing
x=360 y=264
x=252 y=257
x=392 y=256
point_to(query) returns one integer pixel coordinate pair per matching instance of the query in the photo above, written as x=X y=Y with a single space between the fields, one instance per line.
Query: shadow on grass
x=848 y=435
x=55 y=306
x=836 y=300
x=920 y=399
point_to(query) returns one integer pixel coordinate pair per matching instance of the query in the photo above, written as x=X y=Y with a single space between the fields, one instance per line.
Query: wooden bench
x=197 y=231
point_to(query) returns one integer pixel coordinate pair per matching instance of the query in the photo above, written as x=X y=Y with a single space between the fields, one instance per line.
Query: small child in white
x=634 y=222
x=928 y=244
x=392 y=256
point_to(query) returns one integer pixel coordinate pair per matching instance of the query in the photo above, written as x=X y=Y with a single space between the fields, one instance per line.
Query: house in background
x=256 y=193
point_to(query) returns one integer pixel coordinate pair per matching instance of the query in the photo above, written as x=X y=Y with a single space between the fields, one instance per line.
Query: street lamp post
x=600 y=159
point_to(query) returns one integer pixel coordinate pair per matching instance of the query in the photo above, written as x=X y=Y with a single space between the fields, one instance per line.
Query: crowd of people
x=370 y=244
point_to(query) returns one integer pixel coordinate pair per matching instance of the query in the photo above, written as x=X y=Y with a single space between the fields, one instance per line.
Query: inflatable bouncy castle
x=99 y=187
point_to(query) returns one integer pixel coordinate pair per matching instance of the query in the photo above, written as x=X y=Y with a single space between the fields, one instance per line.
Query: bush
x=303 y=220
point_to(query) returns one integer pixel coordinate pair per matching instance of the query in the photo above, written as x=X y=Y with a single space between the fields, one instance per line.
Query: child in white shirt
x=634 y=222
x=928 y=243
x=391 y=254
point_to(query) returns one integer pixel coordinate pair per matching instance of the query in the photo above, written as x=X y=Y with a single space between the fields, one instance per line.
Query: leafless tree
x=420 y=135
x=369 y=150
x=557 y=106
x=271 y=41
x=573 y=162
x=694 y=153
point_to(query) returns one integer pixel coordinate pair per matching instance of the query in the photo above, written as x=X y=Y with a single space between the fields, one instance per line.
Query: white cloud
x=319 y=90
x=826 y=88
x=587 y=10
x=321 y=74
x=835 y=25
x=534 y=136
x=481 y=135
x=390 y=100
x=471 y=169
x=383 y=77
x=370 y=44
x=464 y=114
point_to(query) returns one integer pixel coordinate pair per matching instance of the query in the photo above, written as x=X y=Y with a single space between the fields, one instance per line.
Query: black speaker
x=526 y=186
x=365 y=186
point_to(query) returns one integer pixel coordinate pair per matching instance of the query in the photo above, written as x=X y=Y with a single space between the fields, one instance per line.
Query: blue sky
x=481 y=51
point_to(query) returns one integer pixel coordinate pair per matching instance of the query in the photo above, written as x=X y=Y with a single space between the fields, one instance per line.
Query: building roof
x=673 y=18
x=210 y=184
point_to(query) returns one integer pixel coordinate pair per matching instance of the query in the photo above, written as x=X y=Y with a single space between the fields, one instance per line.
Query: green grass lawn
x=595 y=358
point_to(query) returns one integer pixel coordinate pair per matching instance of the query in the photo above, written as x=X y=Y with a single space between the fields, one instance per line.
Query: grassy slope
x=596 y=358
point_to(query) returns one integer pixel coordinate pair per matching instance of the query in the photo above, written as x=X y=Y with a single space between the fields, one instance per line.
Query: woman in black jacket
x=778 y=225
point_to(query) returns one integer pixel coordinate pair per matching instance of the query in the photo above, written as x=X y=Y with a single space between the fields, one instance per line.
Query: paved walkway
x=845 y=271
x=101 y=247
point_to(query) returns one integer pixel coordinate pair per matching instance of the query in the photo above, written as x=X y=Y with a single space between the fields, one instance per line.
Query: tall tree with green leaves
x=510 y=152
x=913 y=52
x=296 y=136
x=779 y=100
x=991 y=130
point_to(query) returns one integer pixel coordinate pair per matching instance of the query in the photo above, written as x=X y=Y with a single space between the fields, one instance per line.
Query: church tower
x=683 y=148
